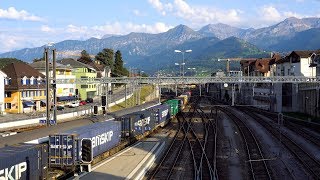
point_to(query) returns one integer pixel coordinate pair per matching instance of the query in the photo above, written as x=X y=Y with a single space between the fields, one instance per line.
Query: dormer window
x=7 y=81
x=32 y=80
x=24 y=80
x=39 y=80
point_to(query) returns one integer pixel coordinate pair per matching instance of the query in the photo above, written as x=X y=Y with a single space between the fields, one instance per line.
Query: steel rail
x=308 y=161
x=258 y=165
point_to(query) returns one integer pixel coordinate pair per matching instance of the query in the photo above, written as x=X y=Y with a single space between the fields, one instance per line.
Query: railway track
x=211 y=145
x=193 y=138
x=257 y=163
x=299 y=129
x=309 y=162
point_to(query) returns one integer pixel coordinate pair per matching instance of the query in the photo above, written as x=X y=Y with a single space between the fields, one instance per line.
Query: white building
x=3 y=77
x=62 y=72
x=302 y=98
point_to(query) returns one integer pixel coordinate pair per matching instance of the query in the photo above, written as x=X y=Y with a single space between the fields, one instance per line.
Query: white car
x=74 y=104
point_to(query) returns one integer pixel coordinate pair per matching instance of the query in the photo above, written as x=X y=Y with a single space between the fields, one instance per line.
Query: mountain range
x=212 y=41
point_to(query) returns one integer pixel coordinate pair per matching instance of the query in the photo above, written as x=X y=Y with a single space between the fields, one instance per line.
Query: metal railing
x=194 y=80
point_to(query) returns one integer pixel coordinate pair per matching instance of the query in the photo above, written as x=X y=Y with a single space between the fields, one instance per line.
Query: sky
x=33 y=23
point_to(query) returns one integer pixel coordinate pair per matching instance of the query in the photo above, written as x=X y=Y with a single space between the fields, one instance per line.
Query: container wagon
x=137 y=123
x=174 y=106
x=161 y=114
x=82 y=144
x=180 y=103
x=24 y=162
x=185 y=98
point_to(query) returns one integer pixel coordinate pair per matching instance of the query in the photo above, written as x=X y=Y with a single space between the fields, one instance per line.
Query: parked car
x=89 y=100
x=81 y=103
x=59 y=108
x=74 y=104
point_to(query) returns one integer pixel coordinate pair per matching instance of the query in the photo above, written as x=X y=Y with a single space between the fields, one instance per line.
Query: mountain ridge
x=136 y=46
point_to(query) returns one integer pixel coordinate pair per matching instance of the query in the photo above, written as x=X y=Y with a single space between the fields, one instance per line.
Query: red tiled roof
x=262 y=64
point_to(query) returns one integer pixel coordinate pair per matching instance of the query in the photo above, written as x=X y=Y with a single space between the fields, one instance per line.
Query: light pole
x=194 y=69
x=182 y=52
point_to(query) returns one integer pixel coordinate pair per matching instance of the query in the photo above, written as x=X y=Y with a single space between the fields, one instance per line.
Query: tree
x=5 y=61
x=106 y=57
x=85 y=57
x=119 y=70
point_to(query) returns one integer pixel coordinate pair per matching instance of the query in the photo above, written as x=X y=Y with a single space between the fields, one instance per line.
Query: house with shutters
x=81 y=70
x=65 y=91
x=24 y=88
x=3 y=78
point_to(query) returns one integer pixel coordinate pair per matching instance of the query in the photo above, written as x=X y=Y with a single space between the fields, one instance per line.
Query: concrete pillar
x=278 y=96
x=295 y=104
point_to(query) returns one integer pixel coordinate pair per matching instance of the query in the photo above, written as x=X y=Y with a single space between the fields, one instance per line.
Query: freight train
x=77 y=148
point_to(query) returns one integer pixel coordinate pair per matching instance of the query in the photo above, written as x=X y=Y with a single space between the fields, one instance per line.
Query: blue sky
x=32 y=23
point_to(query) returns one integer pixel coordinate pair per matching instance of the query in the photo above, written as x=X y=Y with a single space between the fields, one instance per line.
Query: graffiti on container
x=59 y=146
x=14 y=172
x=142 y=122
x=101 y=139
x=165 y=113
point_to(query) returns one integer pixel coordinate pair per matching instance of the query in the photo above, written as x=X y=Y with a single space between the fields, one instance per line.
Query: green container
x=174 y=106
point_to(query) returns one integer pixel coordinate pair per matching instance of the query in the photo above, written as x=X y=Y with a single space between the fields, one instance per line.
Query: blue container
x=66 y=148
x=136 y=123
x=160 y=113
x=24 y=161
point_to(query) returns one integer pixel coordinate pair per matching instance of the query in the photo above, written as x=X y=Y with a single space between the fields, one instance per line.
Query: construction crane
x=233 y=59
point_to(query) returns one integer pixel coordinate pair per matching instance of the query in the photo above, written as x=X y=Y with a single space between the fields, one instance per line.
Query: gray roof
x=40 y=65
x=73 y=63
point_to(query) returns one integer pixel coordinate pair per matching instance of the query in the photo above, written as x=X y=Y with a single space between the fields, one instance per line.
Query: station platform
x=130 y=163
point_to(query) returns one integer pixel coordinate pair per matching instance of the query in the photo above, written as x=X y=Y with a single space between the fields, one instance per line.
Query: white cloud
x=125 y=28
x=163 y=8
x=46 y=28
x=197 y=15
x=12 y=13
x=269 y=14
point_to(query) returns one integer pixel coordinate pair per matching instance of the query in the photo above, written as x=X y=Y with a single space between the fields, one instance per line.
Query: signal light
x=95 y=110
x=103 y=100
x=86 y=150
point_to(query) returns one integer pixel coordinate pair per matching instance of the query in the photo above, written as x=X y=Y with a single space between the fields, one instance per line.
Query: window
x=31 y=93
x=31 y=80
x=8 y=106
x=24 y=94
x=8 y=94
x=7 y=81
x=28 y=81
x=84 y=86
x=35 y=81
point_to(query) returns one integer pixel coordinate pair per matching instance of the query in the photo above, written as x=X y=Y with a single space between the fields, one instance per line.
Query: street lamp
x=194 y=69
x=182 y=52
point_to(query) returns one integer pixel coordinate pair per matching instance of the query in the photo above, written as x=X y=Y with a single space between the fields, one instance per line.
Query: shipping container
x=185 y=98
x=136 y=123
x=174 y=106
x=180 y=103
x=24 y=162
x=160 y=113
x=72 y=147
